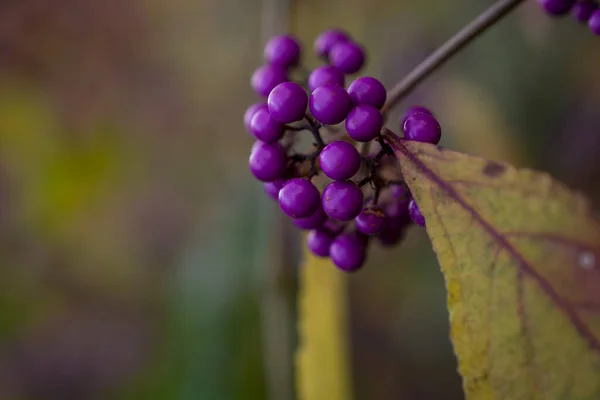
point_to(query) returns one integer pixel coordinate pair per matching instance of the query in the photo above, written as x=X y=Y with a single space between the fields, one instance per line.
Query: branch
x=456 y=43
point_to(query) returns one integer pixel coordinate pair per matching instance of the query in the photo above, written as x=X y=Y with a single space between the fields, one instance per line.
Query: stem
x=456 y=43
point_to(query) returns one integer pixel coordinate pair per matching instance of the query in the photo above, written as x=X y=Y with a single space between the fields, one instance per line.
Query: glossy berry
x=364 y=122
x=594 y=22
x=319 y=242
x=315 y=221
x=339 y=160
x=422 y=128
x=326 y=40
x=272 y=188
x=583 y=10
x=329 y=104
x=264 y=127
x=323 y=75
x=415 y=110
x=370 y=221
x=299 y=198
x=342 y=200
x=267 y=161
x=282 y=50
x=367 y=90
x=250 y=113
x=415 y=213
x=348 y=252
x=287 y=102
x=265 y=78
x=347 y=56
x=557 y=7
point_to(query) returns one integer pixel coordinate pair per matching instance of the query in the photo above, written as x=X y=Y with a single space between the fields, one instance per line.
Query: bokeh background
x=136 y=252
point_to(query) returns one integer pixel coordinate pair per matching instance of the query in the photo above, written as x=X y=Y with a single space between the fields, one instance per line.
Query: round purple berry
x=326 y=40
x=287 y=102
x=347 y=56
x=282 y=50
x=370 y=221
x=594 y=22
x=329 y=104
x=583 y=10
x=267 y=161
x=299 y=198
x=348 y=252
x=415 y=213
x=264 y=127
x=323 y=75
x=422 y=127
x=557 y=7
x=250 y=113
x=415 y=110
x=339 y=160
x=342 y=200
x=367 y=90
x=272 y=188
x=319 y=242
x=392 y=232
x=364 y=123
x=315 y=221
x=265 y=78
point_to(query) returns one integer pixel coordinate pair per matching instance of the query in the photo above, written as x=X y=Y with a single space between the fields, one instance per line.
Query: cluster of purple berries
x=357 y=201
x=585 y=11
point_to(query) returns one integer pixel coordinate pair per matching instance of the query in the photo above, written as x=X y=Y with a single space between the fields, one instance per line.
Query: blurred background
x=136 y=252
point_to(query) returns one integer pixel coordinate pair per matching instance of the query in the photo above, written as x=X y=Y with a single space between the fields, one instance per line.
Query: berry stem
x=446 y=51
x=314 y=128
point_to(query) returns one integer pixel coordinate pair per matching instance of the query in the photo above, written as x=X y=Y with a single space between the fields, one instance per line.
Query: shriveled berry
x=250 y=113
x=265 y=78
x=342 y=200
x=282 y=50
x=364 y=122
x=299 y=198
x=583 y=10
x=287 y=102
x=315 y=221
x=557 y=7
x=272 y=188
x=330 y=104
x=323 y=75
x=339 y=160
x=367 y=90
x=422 y=127
x=347 y=56
x=319 y=242
x=594 y=22
x=370 y=221
x=267 y=161
x=415 y=213
x=264 y=127
x=348 y=252
x=327 y=39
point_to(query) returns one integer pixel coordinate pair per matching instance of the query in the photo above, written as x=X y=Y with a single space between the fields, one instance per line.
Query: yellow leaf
x=322 y=358
x=520 y=254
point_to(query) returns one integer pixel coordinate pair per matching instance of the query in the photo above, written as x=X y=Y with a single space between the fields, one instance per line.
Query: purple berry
x=319 y=242
x=347 y=56
x=364 y=123
x=323 y=75
x=326 y=40
x=330 y=104
x=370 y=221
x=299 y=198
x=282 y=50
x=264 y=127
x=342 y=200
x=339 y=160
x=267 y=161
x=392 y=232
x=594 y=22
x=422 y=127
x=557 y=7
x=265 y=78
x=583 y=10
x=415 y=213
x=415 y=110
x=272 y=188
x=250 y=113
x=287 y=102
x=367 y=90
x=348 y=252
x=315 y=221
